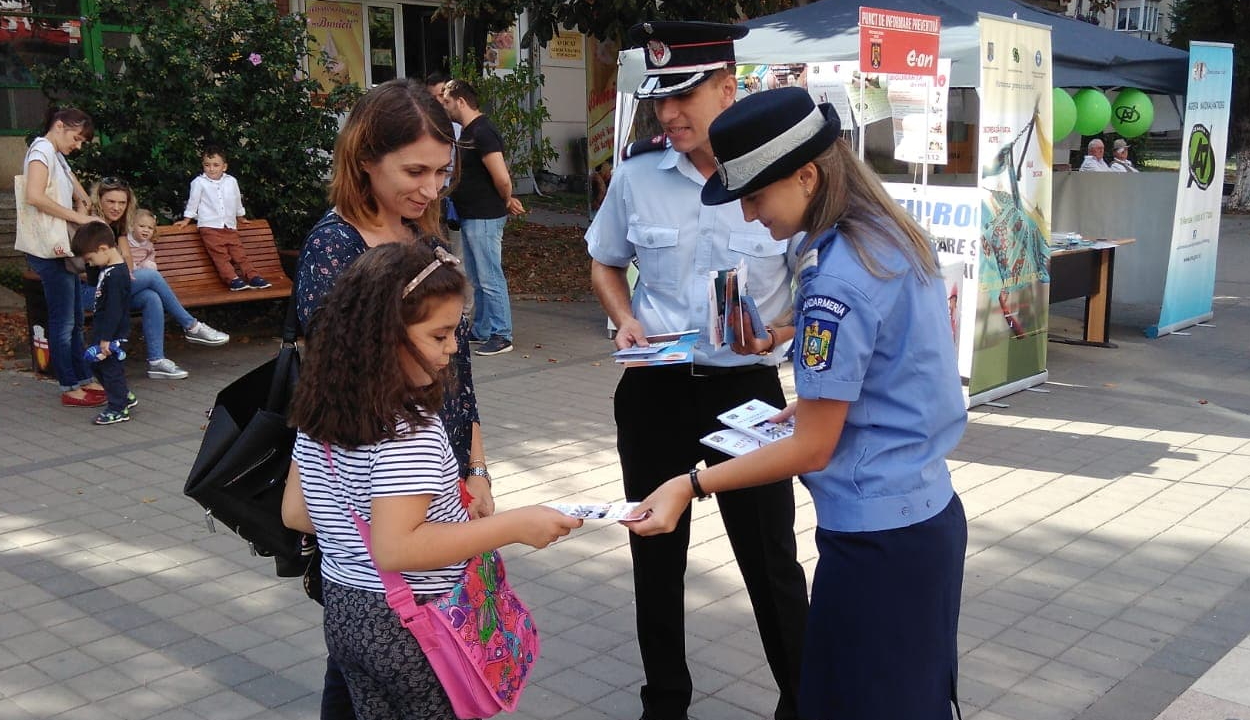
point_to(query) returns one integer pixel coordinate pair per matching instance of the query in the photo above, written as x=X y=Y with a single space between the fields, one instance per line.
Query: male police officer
x=652 y=215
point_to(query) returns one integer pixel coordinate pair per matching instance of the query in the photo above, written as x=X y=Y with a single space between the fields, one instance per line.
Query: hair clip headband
x=441 y=257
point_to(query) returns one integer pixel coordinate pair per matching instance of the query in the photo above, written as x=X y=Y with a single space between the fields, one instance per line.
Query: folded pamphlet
x=597 y=511
x=733 y=443
x=751 y=418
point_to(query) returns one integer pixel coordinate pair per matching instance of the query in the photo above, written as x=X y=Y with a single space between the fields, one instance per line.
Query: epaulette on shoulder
x=641 y=147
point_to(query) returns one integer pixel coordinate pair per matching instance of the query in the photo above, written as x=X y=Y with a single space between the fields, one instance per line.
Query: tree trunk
x=1240 y=199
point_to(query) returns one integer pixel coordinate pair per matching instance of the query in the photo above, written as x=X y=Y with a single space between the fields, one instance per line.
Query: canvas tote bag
x=38 y=233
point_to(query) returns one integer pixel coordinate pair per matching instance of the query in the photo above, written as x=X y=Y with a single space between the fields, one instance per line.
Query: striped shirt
x=417 y=462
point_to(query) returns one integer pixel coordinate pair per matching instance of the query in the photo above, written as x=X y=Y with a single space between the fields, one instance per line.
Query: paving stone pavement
x=1109 y=523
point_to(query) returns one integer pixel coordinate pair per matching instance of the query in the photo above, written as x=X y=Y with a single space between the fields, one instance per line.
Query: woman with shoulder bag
x=391 y=164
x=53 y=199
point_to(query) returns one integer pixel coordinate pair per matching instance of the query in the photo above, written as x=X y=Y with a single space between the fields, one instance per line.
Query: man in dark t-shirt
x=483 y=200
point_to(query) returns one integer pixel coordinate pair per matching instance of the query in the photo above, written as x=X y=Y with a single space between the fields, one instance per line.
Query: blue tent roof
x=1084 y=54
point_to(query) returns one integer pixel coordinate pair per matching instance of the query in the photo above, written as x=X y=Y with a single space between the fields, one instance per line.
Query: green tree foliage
x=228 y=76
x=605 y=19
x=1220 y=21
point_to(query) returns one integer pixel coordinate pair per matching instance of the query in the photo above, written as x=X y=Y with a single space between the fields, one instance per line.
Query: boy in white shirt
x=216 y=205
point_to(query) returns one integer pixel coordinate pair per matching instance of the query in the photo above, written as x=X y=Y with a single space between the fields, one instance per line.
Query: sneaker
x=201 y=334
x=165 y=369
x=131 y=401
x=258 y=283
x=237 y=284
x=496 y=345
x=112 y=417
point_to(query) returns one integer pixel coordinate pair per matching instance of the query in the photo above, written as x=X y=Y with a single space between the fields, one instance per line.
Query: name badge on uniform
x=821 y=314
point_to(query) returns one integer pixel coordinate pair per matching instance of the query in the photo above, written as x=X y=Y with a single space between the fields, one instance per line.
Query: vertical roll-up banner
x=1189 y=289
x=952 y=217
x=1015 y=157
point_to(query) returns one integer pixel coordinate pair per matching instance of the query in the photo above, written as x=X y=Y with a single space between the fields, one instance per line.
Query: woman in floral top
x=390 y=163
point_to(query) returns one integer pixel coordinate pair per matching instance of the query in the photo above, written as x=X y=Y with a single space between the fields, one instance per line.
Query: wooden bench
x=185 y=265
x=191 y=275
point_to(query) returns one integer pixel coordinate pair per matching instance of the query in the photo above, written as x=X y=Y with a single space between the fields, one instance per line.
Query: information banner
x=952 y=215
x=1009 y=351
x=337 y=29
x=1189 y=289
x=891 y=41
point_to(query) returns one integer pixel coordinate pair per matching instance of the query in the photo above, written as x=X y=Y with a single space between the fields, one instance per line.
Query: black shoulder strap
x=290 y=326
x=641 y=147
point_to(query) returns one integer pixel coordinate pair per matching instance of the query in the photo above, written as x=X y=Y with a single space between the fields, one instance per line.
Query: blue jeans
x=483 y=264
x=62 y=290
x=152 y=295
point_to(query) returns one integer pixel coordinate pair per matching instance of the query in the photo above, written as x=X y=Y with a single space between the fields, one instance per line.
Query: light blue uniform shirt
x=653 y=212
x=884 y=345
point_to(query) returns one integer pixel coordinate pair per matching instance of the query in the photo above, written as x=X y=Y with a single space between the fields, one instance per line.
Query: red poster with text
x=891 y=41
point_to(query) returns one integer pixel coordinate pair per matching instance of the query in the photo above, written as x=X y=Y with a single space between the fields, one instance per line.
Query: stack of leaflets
x=748 y=429
x=727 y=302
x=667 y=349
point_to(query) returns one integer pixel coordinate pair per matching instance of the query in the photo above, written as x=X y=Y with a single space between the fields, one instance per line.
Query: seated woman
x=114 y=201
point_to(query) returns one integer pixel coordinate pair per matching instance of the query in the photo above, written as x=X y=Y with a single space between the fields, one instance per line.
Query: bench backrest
x=185 y=264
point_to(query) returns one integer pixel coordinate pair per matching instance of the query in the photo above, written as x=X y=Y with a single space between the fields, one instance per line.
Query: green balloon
x=1132 y=113
x=1062 y=115
x=1093 y=111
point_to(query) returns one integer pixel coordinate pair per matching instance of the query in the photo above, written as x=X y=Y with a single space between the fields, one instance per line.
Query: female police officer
x=879 y=407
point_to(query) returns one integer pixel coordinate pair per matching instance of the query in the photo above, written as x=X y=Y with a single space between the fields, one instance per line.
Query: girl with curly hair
x=370 y=440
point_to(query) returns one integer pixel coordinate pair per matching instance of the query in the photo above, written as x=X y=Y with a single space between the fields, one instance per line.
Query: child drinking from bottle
x=370 y=441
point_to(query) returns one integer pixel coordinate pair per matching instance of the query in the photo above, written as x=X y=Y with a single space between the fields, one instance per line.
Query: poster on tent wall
x=918 y=108
x=1189 y=289
x=952 y=215
x=1009 y=344
x=337 y=28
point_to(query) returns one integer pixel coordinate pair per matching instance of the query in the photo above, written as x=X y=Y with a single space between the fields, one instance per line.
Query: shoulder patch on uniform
x=831 y=305
x=641 y=147
x=817 y=348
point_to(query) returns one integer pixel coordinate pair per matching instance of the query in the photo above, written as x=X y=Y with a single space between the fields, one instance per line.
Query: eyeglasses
x=113 y=183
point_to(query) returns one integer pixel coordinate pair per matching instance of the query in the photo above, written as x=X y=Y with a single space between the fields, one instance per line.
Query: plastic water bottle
x=115 y=347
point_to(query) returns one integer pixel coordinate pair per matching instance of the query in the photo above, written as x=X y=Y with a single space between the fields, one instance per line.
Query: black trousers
x=660 y=415
x=112 y=375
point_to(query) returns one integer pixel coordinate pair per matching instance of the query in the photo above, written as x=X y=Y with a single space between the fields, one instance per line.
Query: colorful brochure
x=728 y=301
x=666 y=349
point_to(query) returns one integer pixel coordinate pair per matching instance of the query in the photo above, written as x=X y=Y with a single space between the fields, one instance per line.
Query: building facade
x=1147 y=19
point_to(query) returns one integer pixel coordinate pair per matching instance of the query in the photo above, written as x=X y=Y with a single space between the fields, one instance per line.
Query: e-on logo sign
x=1201 y=158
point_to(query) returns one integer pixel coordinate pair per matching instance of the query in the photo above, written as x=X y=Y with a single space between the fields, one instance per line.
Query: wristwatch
x=479 y=471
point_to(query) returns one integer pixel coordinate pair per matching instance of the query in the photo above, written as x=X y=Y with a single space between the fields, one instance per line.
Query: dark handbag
x=241 y=468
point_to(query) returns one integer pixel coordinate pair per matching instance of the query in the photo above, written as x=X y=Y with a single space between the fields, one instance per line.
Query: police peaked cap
x=765 y=137
x=681 y=55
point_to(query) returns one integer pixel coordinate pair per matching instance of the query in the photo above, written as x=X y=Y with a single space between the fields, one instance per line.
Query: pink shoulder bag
x=479 y=637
